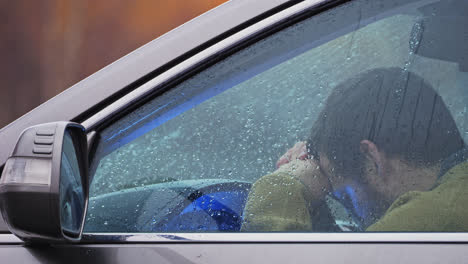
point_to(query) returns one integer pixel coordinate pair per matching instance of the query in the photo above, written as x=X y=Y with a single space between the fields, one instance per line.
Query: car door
x=173 y=162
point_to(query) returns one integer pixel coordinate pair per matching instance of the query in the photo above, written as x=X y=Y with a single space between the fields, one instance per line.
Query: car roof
x=95 y=92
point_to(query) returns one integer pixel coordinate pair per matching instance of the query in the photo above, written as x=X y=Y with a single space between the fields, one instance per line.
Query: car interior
x=184 y=161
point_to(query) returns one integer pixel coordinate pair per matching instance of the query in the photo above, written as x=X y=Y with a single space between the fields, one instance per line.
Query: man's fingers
x=303 y=155
x=281 y=161
x=298 y=151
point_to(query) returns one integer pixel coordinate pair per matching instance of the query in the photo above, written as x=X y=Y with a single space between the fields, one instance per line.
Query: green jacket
x=280 y=202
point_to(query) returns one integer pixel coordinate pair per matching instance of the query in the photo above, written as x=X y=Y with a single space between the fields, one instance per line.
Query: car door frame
x=120 y=248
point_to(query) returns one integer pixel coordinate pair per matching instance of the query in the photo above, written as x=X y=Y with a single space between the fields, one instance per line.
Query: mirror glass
x=72 y=197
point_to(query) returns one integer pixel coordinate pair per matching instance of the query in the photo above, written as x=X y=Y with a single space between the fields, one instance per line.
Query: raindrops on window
x=187 y=159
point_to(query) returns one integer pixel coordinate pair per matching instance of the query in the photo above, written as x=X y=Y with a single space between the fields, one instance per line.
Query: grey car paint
x=239 y=253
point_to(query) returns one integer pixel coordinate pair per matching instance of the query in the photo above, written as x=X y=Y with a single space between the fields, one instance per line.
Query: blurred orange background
x=47 y=46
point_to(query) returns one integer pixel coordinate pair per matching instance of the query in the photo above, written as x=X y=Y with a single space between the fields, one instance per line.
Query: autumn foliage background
x=49 y=45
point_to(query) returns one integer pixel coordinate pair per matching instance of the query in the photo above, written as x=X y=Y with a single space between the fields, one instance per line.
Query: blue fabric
x=220 y=211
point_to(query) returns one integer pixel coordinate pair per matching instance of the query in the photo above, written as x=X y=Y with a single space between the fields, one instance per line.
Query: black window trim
x=204 y=59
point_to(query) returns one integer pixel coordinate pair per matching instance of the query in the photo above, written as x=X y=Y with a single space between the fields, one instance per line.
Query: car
x=153 y=157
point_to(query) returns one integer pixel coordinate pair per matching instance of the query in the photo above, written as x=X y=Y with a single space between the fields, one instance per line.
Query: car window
x=203 y=156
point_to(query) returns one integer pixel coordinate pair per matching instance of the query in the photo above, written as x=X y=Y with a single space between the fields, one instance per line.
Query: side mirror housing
x=44 y=184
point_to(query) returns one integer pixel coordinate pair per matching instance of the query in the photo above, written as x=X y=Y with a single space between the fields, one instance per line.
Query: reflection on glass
x=369 y=95
x=72 y=199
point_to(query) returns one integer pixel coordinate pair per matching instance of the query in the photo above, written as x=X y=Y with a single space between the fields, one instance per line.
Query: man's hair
x=392 y=107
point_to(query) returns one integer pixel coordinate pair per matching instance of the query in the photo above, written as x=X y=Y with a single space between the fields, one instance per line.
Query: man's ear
x=372 y=153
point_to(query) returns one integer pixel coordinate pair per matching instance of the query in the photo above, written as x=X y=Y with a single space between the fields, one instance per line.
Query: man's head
x=385 y=113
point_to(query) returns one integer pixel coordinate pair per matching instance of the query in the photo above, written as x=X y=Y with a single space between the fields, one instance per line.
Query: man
x=382 y=147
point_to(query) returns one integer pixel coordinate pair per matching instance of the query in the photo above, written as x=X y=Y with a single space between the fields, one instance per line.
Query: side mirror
x=44 y=184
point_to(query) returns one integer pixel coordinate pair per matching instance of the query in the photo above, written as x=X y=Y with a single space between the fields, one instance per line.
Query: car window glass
x=187 y=160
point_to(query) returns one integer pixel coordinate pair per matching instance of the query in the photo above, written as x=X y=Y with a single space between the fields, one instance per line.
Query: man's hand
x=295 y=162
x=299 y=151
